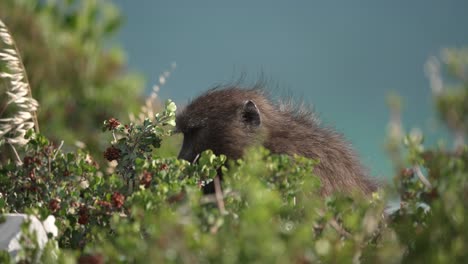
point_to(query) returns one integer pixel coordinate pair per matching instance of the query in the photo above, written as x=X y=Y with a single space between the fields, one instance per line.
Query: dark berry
x=104 y=204
x=83 y=215
x=118 y=199
x=146 y=179
x=91 y=259
x=112 y=153
x=407 y=172
x=54 y=205
x=112 y=123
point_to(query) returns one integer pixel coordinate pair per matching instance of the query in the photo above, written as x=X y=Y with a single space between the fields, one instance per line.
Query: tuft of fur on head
x=214 y=121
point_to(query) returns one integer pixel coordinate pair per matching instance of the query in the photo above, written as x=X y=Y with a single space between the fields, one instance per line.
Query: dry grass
x=19 y=104
x=152 y=105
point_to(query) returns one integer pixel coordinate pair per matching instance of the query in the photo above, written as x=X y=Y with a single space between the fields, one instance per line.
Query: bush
x=152 y=208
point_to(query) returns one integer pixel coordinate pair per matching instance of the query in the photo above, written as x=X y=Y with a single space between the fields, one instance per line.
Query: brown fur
x=215 y=121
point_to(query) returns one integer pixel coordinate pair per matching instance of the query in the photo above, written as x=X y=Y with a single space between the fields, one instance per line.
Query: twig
x=196 y=158
x=18 y=159
x=459 y=140
x=339 y=228
x=211 y=198
x=421 y=176
x=219 y=195
x=115 y=138
x=58 y=149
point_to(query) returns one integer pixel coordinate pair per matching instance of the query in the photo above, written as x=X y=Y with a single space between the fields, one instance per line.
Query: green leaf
x=171 y=106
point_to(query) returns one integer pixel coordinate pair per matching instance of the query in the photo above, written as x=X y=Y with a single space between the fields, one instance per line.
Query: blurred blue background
x=341 y=57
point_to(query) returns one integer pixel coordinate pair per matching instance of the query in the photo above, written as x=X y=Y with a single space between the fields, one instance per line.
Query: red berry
x=118 y=199
x=112 y=153
x=91 y=259
x=28 y=160
x=54 y=205
x=146 y=179
x=407 y=172
x=104 y=204
x=32 y=175
x=112 y=123
x=434 y=193
x=83 y=215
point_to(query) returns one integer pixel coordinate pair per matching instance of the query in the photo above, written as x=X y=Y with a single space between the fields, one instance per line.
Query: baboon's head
x=225 y=121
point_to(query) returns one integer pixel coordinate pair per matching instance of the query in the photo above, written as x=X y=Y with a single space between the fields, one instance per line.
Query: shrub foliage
x=152 y=208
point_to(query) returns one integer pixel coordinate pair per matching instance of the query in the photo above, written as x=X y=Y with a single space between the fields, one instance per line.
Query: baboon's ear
x=251 y=114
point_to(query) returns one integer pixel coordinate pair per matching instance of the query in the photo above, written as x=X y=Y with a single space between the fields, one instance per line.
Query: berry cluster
x=118 y=199
x=146 y=179
x=112 y=153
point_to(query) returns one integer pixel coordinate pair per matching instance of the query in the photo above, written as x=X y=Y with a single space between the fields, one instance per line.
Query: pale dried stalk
x=432 y=70
x=147 y=110
x=421 y=176
x=13 y=129
x=219 y=195
x=459 y=140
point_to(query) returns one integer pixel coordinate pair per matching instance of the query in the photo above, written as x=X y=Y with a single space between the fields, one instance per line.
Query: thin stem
x=421 y=176
x=333 y=223
x=18 y=159
x=219 y=195
x=58 y=149
x=459 y=140
x=115 y=138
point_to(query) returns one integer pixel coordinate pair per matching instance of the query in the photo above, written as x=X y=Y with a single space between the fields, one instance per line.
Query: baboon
x=227 y=120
